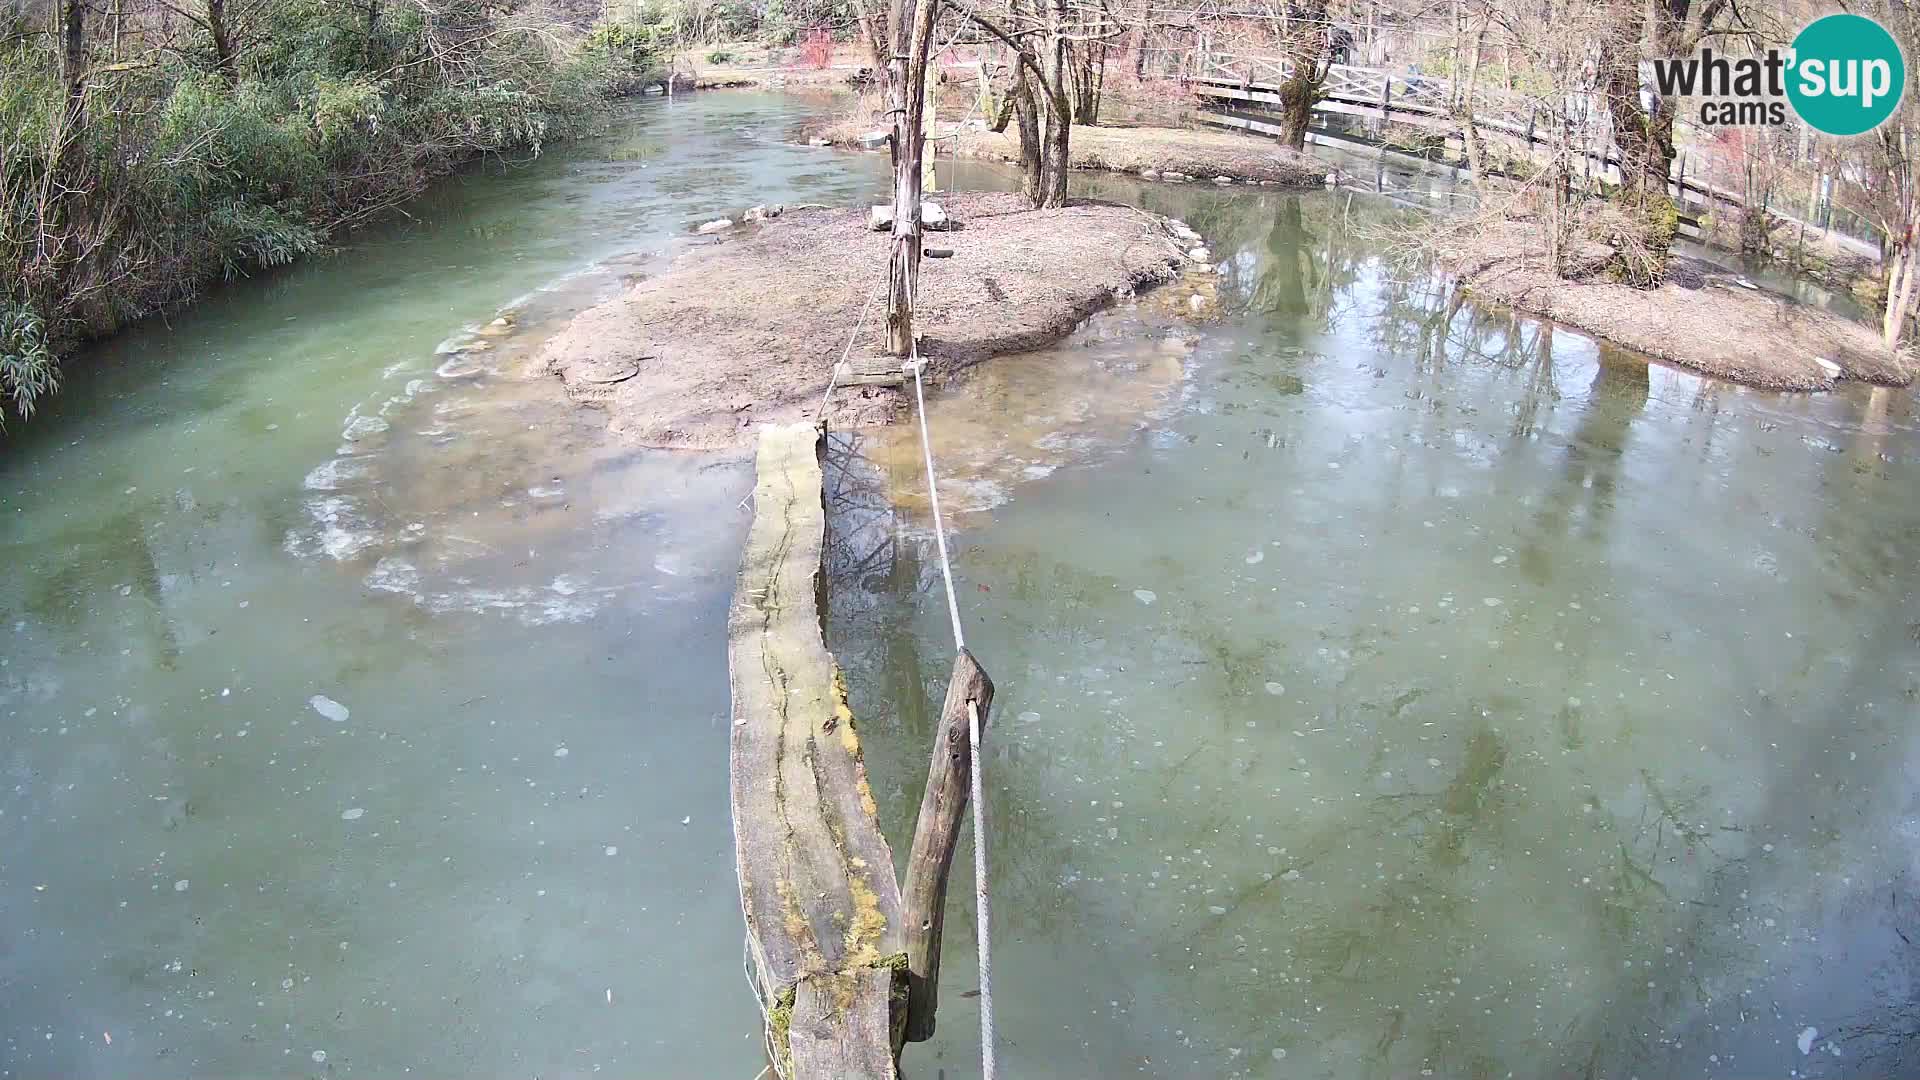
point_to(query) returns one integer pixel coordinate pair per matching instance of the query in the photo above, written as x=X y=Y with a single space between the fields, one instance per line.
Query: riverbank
x=131 y=190
x=1700 y=317
x=746 y=331
x=1156 y=153
x=1153 y=153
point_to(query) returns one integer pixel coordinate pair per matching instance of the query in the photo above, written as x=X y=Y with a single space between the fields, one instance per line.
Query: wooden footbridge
x=1237 y=89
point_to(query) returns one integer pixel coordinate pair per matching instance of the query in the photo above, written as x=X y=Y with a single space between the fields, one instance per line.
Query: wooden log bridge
x=844 y=972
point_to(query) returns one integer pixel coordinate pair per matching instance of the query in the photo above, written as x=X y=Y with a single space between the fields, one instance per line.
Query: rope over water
x=834 y=379
x=982 y=904
x=977 y=796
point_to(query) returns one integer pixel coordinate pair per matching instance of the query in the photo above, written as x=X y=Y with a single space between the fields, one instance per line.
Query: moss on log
x=816 y=876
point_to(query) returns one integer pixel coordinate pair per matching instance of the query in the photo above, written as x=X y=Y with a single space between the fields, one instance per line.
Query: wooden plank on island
x=816 y=876
x=870 y=371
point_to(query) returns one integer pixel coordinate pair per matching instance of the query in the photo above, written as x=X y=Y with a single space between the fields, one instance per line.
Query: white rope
x=766 y=1021
x=834 y=380
x=982 y=915
x=933 y=496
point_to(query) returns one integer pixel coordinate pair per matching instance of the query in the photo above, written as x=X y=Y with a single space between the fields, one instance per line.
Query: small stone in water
x=1145 y=596
x=329 y=708
x=353 y=815
x=1276 y=689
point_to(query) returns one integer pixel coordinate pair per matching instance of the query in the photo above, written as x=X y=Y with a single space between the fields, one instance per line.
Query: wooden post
x=906 y=85
x=929 y=179
x=942 y=808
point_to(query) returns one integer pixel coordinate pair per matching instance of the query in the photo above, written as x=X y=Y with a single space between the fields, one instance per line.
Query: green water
x=1408 y=690
x=513 y=857
x=364 y=706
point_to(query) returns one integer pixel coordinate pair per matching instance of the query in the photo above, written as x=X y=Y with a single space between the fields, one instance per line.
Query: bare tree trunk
x=906 y=93
x=873 y=31
x=1087 y=66
x=1900 y=288
x=1645 y=141
x=1054 y=158
x=1469 y=127
x=1099 y=85
x=1058 y=121
x=1145 y=17
x=1558 y=177
x=1004 y=115
x=222 y=36
x=1027 y=112
x=1310 y=48
x=1041 y=79
x=73 y=56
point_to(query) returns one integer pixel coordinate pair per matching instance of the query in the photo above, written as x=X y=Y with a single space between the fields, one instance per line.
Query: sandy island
x=746 y=331
x=1700 y=318
x=1155 y=153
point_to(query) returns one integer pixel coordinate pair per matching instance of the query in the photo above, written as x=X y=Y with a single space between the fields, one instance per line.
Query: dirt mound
x=1700 y=318
x=746 y=331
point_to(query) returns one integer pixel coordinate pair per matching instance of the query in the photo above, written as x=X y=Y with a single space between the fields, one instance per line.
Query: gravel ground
x=746 y=330
x=1700 y=318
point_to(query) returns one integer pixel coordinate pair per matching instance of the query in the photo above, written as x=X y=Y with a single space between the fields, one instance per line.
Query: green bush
x=1641 y=232
x=27 y=369
x=174 y=174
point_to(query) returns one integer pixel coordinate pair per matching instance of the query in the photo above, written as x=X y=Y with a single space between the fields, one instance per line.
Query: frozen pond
x=1410 y=690
x=1386 y=686
x=364 y=711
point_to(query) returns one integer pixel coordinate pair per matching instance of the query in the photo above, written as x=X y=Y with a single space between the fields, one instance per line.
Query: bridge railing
x=1356 y=88
x=1352 y=84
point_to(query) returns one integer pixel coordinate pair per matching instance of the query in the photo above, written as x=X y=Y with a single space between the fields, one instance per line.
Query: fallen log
x=816 y=875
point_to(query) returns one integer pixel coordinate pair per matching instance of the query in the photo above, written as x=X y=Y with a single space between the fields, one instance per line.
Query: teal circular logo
x=1845 y=74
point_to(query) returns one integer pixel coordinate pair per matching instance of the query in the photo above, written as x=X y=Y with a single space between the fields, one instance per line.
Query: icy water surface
x=1410 y=690
x=363 y=710
x=1387 y=687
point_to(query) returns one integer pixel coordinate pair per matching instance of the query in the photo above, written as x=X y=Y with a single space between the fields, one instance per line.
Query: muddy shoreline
x=1175 y=155
x=746 y=330
x=1701 y=318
